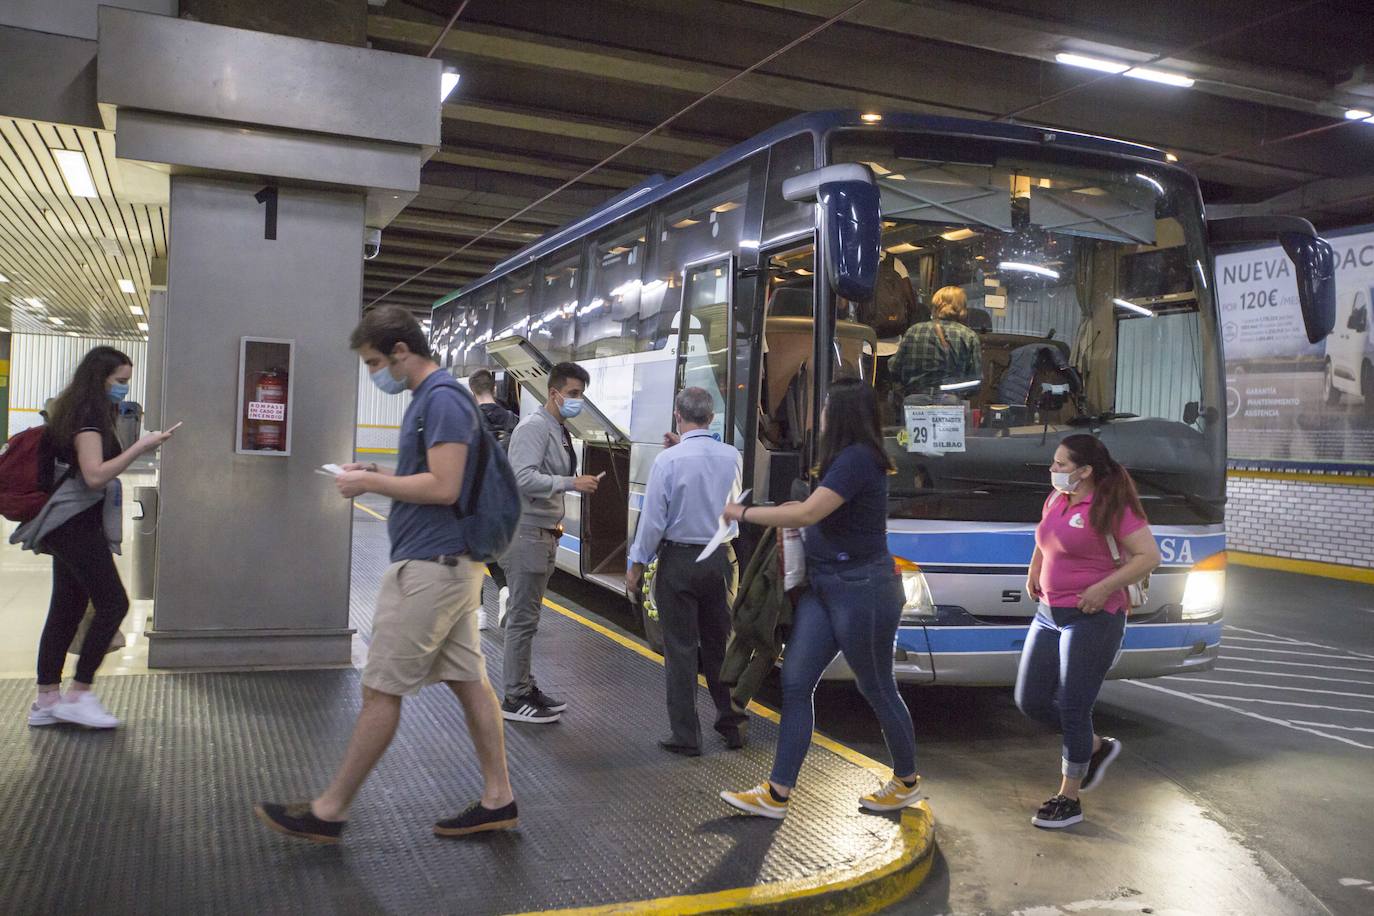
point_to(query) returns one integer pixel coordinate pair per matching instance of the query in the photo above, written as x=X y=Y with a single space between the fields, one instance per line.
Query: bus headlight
x=1204 y=591
x=918 y=603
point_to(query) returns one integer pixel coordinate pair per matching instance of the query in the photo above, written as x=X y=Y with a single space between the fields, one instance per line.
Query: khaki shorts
x=427 y=627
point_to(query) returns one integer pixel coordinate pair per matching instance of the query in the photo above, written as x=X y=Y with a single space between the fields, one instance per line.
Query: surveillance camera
x=372 y=243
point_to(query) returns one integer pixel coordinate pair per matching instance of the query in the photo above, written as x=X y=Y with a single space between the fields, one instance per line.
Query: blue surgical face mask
x=570 y=407
x=384 y=380
x=118 y=392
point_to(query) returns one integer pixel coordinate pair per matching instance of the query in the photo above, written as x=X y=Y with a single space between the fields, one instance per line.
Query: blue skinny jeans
x=852 y=608
x=1065 y=660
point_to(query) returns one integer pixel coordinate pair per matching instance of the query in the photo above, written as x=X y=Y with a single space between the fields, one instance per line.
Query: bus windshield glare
x=1024 y=295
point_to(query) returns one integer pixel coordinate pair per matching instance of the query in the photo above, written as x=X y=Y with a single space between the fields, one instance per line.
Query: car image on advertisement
x=1349 y=366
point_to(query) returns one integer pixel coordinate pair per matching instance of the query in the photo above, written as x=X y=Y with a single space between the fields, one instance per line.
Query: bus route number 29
x=934 y=429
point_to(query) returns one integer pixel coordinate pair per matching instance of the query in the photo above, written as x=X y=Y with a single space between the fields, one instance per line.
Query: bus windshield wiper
x=1101 y=419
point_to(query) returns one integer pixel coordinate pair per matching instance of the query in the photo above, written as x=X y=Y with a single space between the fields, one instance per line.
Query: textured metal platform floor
x=156 y=817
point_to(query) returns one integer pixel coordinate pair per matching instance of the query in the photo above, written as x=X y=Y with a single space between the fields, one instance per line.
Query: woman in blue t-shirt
x=852 y=603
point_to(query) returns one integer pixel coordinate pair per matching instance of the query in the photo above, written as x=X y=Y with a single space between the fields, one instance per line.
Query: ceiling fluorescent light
x=143 y=326
x=136 y=310
x=870 y=117
x=4 y=279
x=126 y=285
x=75 y=172
x=1358 y=114
x=957 y=235
x=448 y=81
x=1022 y=267
x=55 y=320
x=1091 y=63
x=1160 y=76
x=1132 y=307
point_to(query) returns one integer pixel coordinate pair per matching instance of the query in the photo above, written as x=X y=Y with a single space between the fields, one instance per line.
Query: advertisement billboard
x=1289 y=401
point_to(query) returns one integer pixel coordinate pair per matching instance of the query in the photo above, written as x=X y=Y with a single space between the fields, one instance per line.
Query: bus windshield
x=1025 y=294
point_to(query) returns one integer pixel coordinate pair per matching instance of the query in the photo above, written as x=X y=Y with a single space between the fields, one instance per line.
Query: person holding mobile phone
x=80 y=526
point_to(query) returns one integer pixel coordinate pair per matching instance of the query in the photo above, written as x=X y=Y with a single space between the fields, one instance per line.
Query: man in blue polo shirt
x=426 y=626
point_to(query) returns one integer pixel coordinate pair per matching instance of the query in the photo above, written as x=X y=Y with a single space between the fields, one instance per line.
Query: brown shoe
x=476 y=819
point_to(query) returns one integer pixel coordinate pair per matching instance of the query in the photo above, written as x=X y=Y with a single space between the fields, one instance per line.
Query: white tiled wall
x=1329 y=522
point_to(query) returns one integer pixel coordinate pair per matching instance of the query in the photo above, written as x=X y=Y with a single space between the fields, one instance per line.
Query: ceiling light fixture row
x=1102 y=65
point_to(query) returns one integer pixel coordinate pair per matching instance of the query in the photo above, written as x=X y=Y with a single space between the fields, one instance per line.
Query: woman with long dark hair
x=1093 y=513
x=79 y=527
x=852 y=602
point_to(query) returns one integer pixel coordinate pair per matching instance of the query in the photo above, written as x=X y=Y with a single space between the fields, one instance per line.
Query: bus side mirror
x=853 y=237
x=1316 y=274
x=1312 y=257
x=851 y=224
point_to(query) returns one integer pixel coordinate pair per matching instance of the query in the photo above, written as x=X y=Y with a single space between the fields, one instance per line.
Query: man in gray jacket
x=545 y=466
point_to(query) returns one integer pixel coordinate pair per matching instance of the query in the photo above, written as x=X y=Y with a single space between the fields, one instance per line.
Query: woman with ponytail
x=1081 y=590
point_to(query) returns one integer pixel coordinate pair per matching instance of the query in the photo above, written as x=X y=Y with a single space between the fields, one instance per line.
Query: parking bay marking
x=1306 y=677
x=1221 y=696
x=1253 y=715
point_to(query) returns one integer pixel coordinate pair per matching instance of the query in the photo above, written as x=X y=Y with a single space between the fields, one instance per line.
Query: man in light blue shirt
x=689 y=485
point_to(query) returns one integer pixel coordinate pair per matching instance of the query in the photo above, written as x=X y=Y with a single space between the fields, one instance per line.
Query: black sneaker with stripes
x=1060 y=811
x=527 y=709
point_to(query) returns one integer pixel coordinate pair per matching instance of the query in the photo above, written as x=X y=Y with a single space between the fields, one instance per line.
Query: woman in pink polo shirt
x=1077 y=631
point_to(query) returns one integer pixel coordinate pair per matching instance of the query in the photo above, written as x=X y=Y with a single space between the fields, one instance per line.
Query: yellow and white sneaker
x=757 y=800
x=894 y=796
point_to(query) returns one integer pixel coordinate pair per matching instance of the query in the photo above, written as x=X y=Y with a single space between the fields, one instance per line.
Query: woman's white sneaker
x=84 y=709
x=42 y=715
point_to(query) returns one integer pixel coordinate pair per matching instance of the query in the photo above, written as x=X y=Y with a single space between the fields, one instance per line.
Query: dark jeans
x=83 y=571
x=1063 y=664
x=852 y=608
x=694 y=610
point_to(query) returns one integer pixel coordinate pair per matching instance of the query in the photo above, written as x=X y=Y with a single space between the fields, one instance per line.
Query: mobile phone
x=601 y=475
x=176 y=427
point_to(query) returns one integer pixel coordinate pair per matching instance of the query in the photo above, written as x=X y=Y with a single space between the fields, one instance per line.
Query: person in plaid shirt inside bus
x=939 y=351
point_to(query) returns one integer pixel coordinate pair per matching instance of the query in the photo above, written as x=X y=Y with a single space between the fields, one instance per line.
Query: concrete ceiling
x=63 y=256
x=550 y=87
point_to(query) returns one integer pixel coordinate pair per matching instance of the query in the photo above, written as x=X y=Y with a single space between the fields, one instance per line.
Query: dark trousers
x=694 y=609
x=1065 y=660
x=83 y=571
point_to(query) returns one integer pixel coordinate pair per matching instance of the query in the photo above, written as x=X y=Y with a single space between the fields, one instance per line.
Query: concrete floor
x=1243 y=790
x=1217 y=806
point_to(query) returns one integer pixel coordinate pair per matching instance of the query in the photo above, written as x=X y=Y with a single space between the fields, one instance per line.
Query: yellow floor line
x=372 y=512
x=1304 y=567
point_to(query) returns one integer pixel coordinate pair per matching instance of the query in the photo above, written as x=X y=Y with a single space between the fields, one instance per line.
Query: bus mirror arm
x=1313 y=259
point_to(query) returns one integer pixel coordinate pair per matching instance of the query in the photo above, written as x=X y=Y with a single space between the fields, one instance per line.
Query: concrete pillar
x=253 y=550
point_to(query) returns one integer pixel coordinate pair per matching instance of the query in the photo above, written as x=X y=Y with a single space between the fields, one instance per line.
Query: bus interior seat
x=791 y=301
x=980 y=320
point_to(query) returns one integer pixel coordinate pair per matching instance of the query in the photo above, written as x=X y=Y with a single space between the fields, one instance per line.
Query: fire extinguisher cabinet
x=266 y=370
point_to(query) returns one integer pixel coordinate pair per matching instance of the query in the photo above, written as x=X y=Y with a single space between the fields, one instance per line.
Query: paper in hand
x=722 y=532
x=329 y=470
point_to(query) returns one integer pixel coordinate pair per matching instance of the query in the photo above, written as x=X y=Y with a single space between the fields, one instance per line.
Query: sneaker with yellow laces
x=894 y=796
x=759 y=800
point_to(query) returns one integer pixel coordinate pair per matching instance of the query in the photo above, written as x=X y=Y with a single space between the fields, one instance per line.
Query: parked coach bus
x=805 y=253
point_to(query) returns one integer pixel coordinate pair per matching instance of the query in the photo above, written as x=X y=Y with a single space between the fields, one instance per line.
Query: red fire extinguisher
x=270 y=388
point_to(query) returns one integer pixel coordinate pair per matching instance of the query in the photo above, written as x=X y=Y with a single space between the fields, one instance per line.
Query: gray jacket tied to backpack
x=69 y=500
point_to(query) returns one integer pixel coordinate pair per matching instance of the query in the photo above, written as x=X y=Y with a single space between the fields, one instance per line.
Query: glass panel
x=1066 y=297
x=478 y=329
x=513 y=307
x=782 y=218
x=704 y=351
x=707 y=221
x=785 y=395
x=607 y=322
x=552 y=331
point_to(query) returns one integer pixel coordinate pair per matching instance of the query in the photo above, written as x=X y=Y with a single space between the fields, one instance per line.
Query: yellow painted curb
x=1307 y=477
x=899 y=871
x=1305 y=567
x=879 y=882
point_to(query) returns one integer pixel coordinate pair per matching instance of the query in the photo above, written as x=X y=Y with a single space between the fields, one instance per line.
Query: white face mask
x=1062 y=481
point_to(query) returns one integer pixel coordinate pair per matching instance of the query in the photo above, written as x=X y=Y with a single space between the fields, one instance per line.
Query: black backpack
x=493 y=510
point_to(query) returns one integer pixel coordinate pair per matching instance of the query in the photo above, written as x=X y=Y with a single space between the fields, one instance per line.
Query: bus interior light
x=1132 y=307
x=1091 y=63
x=1160 y=76
x=1024 y=268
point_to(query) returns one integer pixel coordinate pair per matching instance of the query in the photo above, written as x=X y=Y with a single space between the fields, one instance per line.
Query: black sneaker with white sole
x=477 y=819
x=552 y=704
x=1060 y=811
x=1098 y=763
x=525 y=709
